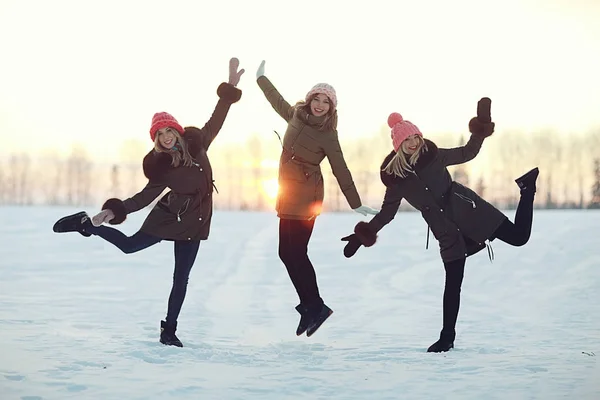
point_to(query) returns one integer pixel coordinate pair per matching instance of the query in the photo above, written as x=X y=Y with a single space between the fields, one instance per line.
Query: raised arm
x=283 y=108
x=480 y=127
x=340 y=170
x=462 y=154
x=228 y=94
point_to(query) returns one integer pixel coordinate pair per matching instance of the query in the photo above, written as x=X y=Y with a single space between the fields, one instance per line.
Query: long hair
x=401 y=165
x=178 y=153
x=330 y=122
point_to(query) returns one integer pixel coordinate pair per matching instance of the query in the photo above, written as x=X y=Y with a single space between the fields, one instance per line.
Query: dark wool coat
x=301 y=188
x=185 y=211
x=459 y=219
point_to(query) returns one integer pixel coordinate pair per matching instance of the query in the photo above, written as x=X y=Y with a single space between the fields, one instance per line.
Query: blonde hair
x=330 y=122
x=400 y=166
x=178 y=153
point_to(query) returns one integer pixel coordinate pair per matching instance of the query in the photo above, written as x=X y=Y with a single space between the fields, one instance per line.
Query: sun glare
x=270 y=188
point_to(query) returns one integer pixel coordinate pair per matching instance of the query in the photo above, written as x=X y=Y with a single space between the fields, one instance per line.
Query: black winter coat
x=459 y=219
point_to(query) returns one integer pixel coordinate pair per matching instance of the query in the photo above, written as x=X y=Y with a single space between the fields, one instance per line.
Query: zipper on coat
x=465 y=198
x=180 y=213
x=490 y=251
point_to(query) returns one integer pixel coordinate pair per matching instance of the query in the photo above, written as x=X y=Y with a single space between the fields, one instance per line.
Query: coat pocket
x=292 y=171
x=175 y=204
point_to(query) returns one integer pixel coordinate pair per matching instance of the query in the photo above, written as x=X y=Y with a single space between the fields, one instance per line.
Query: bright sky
x=97 y=71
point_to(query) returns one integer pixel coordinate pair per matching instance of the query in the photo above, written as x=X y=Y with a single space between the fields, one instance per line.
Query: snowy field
x=80 y=320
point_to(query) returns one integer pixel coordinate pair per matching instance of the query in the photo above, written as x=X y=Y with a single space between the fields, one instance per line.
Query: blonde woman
x=310 y=137
x=178 y=162
x=460 y=220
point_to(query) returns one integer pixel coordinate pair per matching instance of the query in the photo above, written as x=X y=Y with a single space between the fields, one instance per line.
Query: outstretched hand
x=261 y=69
x=102 y=217
x=234 y=74
x=364 y=210
x=482 y=124
x=353 y=245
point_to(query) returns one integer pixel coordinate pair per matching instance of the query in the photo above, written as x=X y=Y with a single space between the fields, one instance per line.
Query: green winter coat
x=185 y=211
x=301 y=188
x=459 y=219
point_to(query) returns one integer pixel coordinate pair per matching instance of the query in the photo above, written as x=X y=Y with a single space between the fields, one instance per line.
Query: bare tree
x=19 y=185
x=595 y=202
x=131 y=154
x=115 y=186
x=460 y=172
x=78 y=176
x=3 y=185
x=254 y=147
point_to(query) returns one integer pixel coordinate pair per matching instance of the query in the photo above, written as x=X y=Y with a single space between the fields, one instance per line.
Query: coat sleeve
x=283 y=108
x=142 y=199
x=463 y=154
x=121 y=208
x=228 y=94
x=340 y=170
x=389 y=208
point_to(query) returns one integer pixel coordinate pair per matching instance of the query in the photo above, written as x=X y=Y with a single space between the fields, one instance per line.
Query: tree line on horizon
x=569 y=172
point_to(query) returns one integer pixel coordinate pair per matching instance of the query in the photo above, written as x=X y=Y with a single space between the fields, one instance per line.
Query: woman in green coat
x=310 y=137
x=459 y=219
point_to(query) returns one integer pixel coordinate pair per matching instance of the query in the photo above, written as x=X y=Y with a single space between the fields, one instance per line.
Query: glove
x=234 y=75
x=261 y=70
x=482 y=124
x=478 y=128
x=102 y=217
x=364 y=210
x=363 y=236
x=353 y=245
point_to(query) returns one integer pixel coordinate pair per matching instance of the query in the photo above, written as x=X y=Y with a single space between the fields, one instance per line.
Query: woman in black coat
x=459 y=219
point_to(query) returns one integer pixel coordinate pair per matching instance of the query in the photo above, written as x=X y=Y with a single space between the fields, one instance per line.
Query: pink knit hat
x=326 y=89
x=163 y=120
x=401 y=129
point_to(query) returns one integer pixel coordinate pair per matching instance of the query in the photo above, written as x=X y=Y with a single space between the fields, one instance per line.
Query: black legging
x=516 y=234
x=185 y=255
x=294 y=236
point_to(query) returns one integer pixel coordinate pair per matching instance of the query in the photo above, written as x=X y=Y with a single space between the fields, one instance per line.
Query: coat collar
x=424 y=160
x=156 y=164
x=311 y=120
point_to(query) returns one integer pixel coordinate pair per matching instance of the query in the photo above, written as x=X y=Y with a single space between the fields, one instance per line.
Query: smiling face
x=166 y=137
x=320 y=105
x=411 y=144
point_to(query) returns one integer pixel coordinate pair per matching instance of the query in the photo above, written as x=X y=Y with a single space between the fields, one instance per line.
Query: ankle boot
x=527 y=181
x=167 y=334
x=74 y=223
x=317 y=319
x=305 y=319
x=445 y=342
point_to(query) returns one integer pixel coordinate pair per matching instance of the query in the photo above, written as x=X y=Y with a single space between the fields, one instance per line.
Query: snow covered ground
x=80 y=320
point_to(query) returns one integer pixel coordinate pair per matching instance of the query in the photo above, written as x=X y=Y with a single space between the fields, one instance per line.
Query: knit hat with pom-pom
x=401 y=129
x=163 y=120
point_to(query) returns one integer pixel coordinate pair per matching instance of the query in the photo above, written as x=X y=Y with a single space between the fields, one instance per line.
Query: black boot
x=167 y=335
x=445 y=343
x=305 y=319
x=527 y=181
x=73 y=223
x=317 y=319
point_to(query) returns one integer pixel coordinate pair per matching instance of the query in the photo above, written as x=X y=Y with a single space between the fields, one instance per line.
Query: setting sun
x=270 y=188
